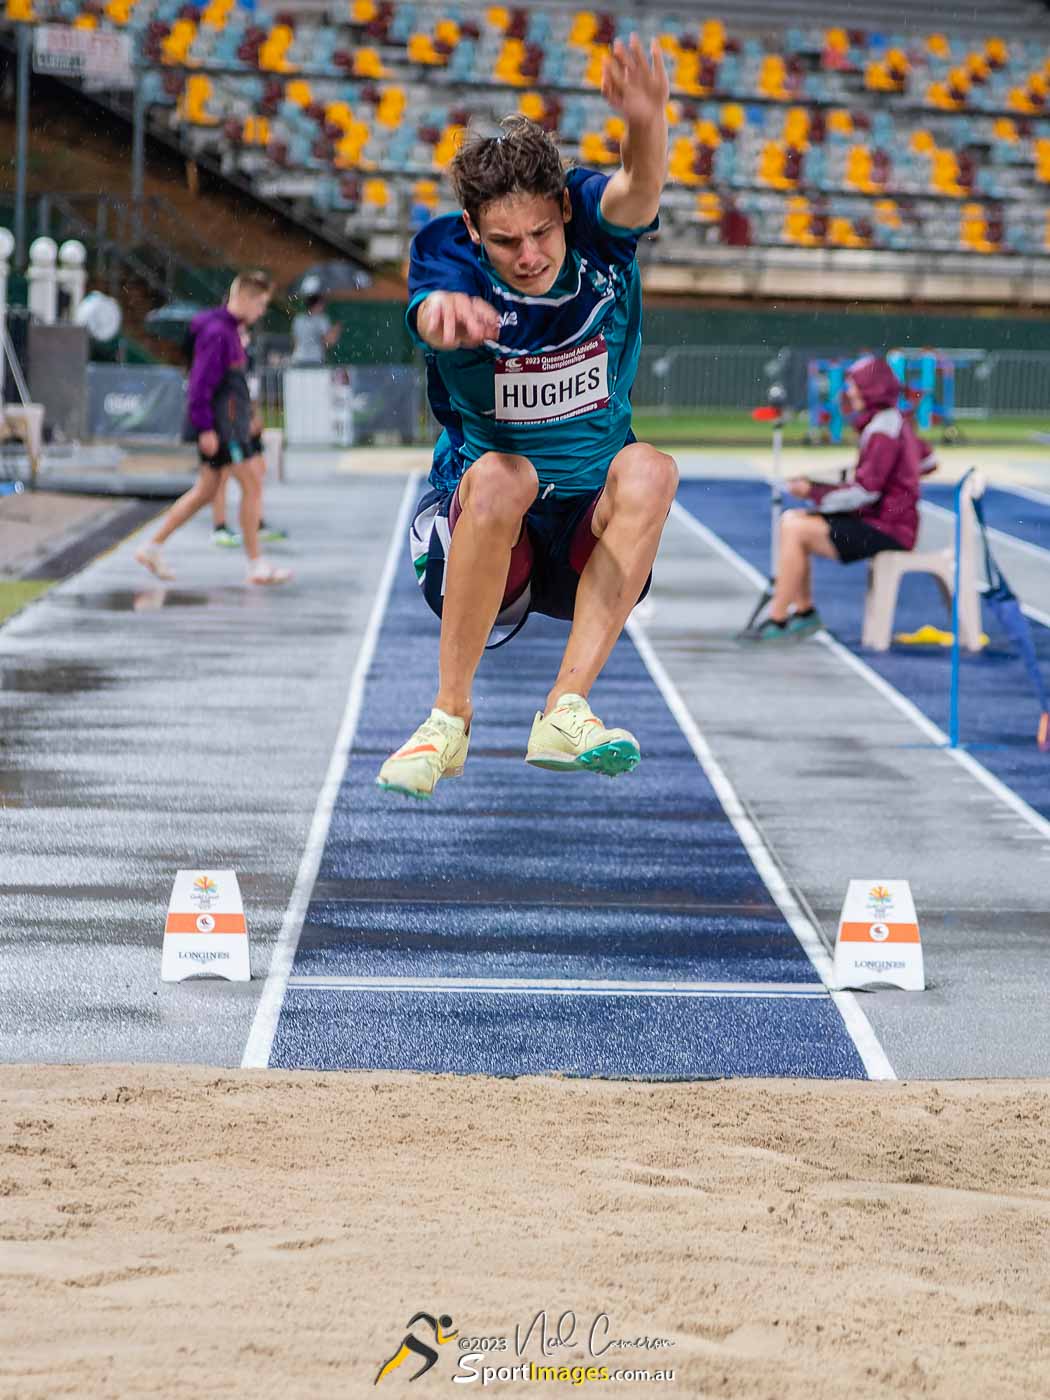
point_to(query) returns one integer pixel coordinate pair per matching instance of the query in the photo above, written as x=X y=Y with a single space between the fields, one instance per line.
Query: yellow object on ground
x=930 y=636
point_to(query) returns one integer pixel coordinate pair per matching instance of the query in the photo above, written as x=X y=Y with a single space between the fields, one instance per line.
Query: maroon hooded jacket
x=884 y=488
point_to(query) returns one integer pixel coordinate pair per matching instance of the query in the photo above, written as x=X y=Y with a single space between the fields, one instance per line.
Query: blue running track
x=998 y=710
x=1021 y=516
x=433 y=927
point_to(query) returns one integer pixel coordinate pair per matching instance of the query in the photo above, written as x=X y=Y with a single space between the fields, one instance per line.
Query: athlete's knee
x=499 y=487
x=642 y=476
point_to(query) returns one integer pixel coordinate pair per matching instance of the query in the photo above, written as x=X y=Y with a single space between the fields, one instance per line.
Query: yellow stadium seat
x=368 y=64
x=421 y=49
x=887 y=213
x=615 y=129
x=682 y=159
x=837 y=40
x=86 y=22
x=842 y=234
x=939 y=95
x=708 y=207
x=497 y=17
x=858 y=170
x=922 y=142
x=375 y=193
x=997 y=51
x=1042 y=160
x=532 y=106
x=713 y=39
x=771 y=166
x=299 y=92
x=772 y=78
x=945 y=172
x=447 y=32
x=687 y=74
x=938 y=45
x=584 y=28
x=448 y=145
x=707 y=133
x=426 y=192
x=796 y=128
x=595 y=150
x=256 y=131
x=391 y=108
x=363 y=11
x=669 y=45
x=595 y=64
x=118 y=12
x=19 y=11
x=732 y=116
x=840 y=121
x=977 y=66
x=194 y=103
x=1020 y=100
x=798 y=227
x=339 y=114
x=1005 y=130
x=178 y=42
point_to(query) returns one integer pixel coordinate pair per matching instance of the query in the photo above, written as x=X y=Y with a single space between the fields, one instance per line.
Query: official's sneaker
x=769 y=632
x=225 y=538
x=272 y=534
x=438 y=749
x=802 y=625
x=573 y=739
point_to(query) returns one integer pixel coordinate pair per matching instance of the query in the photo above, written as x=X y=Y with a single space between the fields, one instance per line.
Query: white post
x=43 y=280
x=72 y=275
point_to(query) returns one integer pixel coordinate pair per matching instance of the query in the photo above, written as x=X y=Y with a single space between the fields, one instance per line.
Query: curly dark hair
x=524 y=159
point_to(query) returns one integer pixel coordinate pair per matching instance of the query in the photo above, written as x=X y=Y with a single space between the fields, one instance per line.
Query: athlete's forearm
x=632 y=196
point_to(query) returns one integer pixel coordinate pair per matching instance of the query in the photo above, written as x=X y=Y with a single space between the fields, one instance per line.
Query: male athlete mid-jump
x=529 y=306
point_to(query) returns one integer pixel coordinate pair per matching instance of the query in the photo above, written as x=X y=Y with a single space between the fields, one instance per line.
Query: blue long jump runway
x=998 y=711
x=526 y=922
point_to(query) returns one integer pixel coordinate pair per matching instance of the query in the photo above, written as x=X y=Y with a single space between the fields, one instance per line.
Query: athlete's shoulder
x=444 y=240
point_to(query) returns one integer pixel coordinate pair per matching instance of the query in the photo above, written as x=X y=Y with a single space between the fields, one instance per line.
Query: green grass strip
x=18 y=593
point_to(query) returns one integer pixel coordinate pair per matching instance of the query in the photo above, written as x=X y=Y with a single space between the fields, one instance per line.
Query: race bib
x=548 y=388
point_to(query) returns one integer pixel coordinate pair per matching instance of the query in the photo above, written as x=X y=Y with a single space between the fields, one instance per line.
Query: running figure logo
x=413 y=1346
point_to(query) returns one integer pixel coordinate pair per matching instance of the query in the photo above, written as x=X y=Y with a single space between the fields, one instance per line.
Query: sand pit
x=182 y=1232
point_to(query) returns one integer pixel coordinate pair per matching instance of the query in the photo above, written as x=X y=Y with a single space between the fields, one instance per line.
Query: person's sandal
x=263 y=573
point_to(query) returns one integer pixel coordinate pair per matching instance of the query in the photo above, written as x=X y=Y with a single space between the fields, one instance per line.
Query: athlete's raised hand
x=633 y=83
x=455 y=321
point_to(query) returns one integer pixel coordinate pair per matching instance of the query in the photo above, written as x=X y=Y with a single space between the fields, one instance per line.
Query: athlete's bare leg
x=186 y=507
x=628 y=522
x=494 y=495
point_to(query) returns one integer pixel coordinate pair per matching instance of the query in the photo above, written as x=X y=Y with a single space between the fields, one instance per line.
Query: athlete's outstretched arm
x=636 y=86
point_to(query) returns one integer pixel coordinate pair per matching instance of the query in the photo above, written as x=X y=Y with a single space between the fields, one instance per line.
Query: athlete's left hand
x=633 y=83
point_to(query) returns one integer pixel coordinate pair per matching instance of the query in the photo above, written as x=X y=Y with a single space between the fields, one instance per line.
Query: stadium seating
x=821 y=135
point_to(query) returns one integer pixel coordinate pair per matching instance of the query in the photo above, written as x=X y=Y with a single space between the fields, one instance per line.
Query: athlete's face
x=524 y=237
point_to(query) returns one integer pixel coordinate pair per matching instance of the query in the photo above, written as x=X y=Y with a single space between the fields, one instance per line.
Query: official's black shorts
x=855 y=539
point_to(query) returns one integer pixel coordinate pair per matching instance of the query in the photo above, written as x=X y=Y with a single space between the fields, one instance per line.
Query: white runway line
x=935 y=735
x=264 y=1026
x=869 y=1049
x=559 y=986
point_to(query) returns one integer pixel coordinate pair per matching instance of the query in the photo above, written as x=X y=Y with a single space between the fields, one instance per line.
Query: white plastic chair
x=886 y=570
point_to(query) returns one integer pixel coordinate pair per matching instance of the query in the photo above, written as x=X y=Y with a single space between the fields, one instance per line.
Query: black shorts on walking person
x=230 y=453
x=855 y=539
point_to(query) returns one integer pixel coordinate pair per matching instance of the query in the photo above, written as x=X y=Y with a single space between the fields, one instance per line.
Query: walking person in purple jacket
x=876 y=509
x=219 y=409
